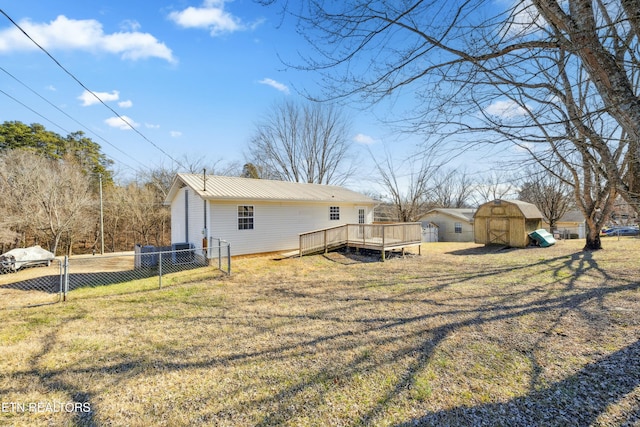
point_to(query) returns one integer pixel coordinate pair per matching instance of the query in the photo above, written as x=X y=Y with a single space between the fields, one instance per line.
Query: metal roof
x=465 y=214
x=572 y=216
x=214 y=187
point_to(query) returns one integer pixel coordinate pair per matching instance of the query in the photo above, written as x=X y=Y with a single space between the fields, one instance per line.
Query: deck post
x=326 y=246
x=384 y=229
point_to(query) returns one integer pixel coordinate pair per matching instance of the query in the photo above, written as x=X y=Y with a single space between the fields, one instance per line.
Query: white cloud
x=52 y=88
x=363 y=139
x=175 y=134
x=524 y=20
x=151 y=126
x=125 y=104
x=130 y=25
x=88 y=98
x=274 y=84
x=117 y=122
x=210 y=16
x=85 y=35
x=505 y=109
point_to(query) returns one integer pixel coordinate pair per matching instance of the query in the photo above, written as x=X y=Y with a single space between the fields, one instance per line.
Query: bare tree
x=492 y=186
x=604 y=35
x=451 y=189
x=553 y=196
x=48 y=199
x=302 y=143
x=407 y=185
x=460 y=63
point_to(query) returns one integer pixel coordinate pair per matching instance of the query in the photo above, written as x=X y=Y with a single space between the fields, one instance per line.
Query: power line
x=70 y=74
x=33 y=111
x=66 y=114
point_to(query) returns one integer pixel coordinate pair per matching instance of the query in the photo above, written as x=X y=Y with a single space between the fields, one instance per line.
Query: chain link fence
x=84 y=276
x=32 y=286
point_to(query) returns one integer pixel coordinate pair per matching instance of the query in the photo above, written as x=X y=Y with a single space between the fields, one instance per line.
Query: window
x=245 y=217
x=360 y=216
x=458 y=227
x=334 y=213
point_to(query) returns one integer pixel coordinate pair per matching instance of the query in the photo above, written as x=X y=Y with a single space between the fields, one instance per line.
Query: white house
x=256 y=215
x=454 y=225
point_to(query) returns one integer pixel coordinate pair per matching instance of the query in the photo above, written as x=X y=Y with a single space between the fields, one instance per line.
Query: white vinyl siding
x=450 y=229
x=276 y=225
x=187 y=228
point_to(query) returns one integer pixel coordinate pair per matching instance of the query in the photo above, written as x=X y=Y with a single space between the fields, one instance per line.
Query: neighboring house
x=256 y=215
x=570 y=226
x=454 y=225
x=506 y=222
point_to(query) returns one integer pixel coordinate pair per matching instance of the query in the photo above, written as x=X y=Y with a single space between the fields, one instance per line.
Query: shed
x=454 y=225
x=506 y=222
x=258 y=215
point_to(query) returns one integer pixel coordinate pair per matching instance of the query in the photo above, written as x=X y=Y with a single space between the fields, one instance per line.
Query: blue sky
x=191 y=77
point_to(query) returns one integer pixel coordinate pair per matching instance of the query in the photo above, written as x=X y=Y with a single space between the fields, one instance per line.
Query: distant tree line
x=50 y=187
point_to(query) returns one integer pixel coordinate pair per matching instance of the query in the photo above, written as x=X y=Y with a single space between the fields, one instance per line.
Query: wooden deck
x=378 y=237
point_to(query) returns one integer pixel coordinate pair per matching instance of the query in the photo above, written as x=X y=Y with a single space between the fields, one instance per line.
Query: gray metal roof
x=465 y=214
x=216 y=187
x=572 y=216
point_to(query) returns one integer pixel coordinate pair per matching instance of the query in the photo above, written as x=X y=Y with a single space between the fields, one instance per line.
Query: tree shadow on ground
x=486 y=250
x=350 y=256
x=578 y=400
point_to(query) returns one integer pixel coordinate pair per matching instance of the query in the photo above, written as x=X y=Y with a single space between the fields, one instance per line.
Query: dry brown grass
x=462 y=335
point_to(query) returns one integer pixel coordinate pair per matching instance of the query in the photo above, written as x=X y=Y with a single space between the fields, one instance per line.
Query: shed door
x=498 y=231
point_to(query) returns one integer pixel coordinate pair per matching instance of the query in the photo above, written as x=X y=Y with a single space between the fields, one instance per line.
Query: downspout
x=205 y=231
x=186 y=215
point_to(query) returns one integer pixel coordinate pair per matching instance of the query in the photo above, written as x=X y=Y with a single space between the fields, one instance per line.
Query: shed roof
x=214 y=187
x=528 y=210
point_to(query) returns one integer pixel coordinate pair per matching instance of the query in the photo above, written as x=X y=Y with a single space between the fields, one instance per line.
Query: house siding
x=446 y=227
x=276 y=225
x=187 y=222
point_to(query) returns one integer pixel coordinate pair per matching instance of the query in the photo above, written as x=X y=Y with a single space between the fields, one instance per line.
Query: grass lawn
x=461 y=335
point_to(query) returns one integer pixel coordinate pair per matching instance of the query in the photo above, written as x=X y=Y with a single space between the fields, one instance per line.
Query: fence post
x=229 y=258
x=219 y=254
x=66 y=278
x=160 y=270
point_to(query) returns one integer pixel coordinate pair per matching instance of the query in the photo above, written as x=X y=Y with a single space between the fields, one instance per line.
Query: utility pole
x=101 y=219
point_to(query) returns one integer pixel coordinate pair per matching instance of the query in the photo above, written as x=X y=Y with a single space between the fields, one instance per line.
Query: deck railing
x=380 y=237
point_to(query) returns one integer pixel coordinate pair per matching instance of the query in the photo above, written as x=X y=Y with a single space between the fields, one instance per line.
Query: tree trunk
x=593 y=242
